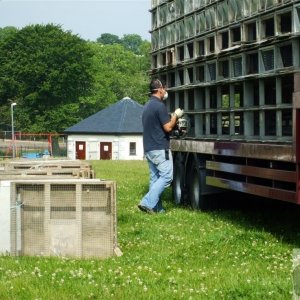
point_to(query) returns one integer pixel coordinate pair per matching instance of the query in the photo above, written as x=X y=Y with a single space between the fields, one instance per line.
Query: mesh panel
x=268 y=59
x=96 y=225
x=30 y=216
x=237 y=66
x=212 y=71
x=286 y=55
x=63 y=201
x=75 y=218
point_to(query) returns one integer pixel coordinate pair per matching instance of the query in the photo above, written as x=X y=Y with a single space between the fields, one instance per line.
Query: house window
x=132 y=148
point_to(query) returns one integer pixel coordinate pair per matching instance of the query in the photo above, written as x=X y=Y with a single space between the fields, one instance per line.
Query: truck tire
x=178 y=180
x=196 y=179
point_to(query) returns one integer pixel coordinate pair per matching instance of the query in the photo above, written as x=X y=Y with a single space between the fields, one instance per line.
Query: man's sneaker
x=146 y=209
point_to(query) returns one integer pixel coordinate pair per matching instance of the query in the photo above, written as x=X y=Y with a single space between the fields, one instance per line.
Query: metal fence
x=32 y=145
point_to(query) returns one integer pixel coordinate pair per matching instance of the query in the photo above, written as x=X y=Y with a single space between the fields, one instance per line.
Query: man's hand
x=179 y=112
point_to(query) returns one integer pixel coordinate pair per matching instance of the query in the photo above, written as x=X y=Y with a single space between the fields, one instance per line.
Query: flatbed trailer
x=234 y=67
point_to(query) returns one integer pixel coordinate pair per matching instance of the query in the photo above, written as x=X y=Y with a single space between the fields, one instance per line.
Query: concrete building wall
x=120 y=146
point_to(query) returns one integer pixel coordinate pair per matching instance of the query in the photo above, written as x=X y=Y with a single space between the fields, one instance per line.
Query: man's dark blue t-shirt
x=155 y=115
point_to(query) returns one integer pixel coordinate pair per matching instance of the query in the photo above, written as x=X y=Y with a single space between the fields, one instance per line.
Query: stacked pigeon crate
x=54 y=168
x=56 y=214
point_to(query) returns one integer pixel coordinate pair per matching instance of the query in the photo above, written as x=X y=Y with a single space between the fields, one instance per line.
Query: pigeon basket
x=68 y=217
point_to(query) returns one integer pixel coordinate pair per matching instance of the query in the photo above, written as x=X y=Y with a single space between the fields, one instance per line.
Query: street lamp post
x=12 y=129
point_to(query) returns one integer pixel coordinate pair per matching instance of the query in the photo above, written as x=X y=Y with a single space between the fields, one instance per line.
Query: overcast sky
x=87 y=18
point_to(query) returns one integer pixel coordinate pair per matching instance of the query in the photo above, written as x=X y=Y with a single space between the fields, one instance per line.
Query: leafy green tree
x=132 y=42
x=6 y=32
x=58 y=79
x=118 y=73
x=145 y=49
x=108 y=39
x=46 y=71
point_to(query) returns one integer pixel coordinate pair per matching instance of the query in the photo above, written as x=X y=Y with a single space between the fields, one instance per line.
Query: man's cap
x=156 y=84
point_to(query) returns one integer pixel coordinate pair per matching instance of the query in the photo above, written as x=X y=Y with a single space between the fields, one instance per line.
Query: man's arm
x=170 y=125
x=175 y=116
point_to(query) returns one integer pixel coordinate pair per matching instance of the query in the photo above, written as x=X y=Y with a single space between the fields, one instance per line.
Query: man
x=157 y=126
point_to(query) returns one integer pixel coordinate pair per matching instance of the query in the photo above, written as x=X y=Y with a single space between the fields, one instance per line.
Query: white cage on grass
x=60 y=217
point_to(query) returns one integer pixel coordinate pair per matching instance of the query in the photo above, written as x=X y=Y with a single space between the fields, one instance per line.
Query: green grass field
x=241 y=250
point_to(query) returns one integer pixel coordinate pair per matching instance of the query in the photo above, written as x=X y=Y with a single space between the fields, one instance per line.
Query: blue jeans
x=161 y=176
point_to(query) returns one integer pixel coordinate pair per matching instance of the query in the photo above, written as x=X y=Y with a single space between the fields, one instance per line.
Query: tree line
x=58 y=79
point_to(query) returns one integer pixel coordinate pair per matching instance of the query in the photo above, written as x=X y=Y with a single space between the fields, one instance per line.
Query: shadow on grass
x=281 y=219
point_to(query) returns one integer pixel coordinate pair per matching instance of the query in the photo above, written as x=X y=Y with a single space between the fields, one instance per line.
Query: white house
x=112 y=133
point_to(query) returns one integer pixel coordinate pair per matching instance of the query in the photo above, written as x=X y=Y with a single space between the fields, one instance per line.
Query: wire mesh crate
x=63 y=217
x=49 y=167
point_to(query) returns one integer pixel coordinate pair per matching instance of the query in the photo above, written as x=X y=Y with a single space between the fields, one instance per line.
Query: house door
x=105 y=150
x=80 y=150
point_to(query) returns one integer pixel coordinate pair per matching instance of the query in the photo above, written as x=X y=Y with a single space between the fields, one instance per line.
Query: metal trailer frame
x=234 y=67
